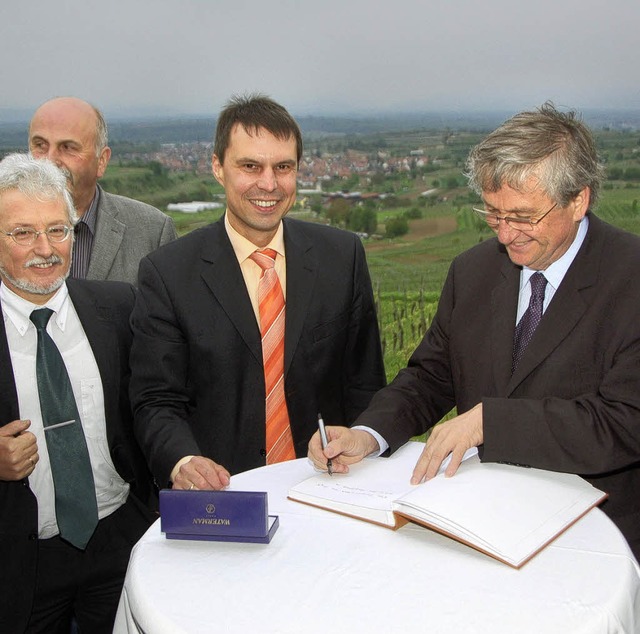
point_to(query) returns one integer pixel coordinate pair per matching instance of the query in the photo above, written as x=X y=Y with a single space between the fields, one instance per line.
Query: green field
x=403 y=269
x=407 y=271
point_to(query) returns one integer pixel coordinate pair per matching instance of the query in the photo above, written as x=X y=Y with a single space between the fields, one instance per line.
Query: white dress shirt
x=554 y=273
x=65 y=329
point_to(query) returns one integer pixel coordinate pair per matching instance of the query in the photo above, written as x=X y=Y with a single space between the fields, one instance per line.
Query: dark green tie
x=76 y=508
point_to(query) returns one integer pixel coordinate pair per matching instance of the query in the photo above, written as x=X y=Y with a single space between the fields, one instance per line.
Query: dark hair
x=253 y=112
x=556 y=147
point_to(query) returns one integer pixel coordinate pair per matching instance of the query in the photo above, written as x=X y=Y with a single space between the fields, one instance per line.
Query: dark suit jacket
x=198 y=385
x=104 y=309
x=126 y=230
x=573 y=403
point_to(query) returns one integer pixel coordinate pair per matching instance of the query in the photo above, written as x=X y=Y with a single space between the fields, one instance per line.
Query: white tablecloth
x=324 y=573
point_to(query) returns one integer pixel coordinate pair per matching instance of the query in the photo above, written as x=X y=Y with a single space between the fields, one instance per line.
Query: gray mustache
x=52 y=259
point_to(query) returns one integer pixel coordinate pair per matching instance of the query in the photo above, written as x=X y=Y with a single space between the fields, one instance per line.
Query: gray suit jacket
x=126 y=231
x=573 y=403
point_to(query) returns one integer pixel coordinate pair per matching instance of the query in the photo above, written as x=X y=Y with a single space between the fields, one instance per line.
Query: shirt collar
x=556 y=271
x=243 y=248
x=17 y=309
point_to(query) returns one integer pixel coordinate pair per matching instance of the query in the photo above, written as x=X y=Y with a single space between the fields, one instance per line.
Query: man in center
x=231 y=363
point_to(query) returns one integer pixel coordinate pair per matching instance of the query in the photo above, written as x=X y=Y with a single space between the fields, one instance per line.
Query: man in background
x=536 y=340
x=71 y=474
x=246 y=330
x=114 y=232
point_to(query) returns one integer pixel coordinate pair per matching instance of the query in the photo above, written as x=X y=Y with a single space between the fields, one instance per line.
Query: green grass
x=407 y=272
x=408 y=276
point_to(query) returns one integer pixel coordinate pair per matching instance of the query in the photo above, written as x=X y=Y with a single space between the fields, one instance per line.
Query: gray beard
x=36 y=289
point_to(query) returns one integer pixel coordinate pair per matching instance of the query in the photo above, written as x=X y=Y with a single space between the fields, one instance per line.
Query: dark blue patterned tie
x=530 y=320
x=75 y=496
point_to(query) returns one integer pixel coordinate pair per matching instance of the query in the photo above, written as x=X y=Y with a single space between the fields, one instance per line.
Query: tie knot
x=40 y=317
x=265 y=258
x=538 y=283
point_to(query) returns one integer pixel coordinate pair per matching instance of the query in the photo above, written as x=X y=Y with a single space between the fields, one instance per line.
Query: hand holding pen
x=324 y=440
x=347 y=446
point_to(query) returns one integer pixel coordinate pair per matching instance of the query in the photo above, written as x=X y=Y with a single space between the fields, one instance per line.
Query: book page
x=510 y=511
x=369 y=488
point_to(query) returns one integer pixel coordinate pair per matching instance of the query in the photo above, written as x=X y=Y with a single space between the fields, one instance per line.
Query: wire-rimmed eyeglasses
x=493 y=219
x=25 y=236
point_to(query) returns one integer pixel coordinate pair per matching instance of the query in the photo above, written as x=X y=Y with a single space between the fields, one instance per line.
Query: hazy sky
x=322 y=56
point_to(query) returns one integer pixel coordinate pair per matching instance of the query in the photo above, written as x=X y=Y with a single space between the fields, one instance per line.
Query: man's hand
x=18 y=450
x=453 y=437
x=201 y=473
x=346 y=446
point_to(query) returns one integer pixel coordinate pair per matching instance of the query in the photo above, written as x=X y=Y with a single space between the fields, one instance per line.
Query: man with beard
x=71 y=474
x=114 y=232
x=221 y=382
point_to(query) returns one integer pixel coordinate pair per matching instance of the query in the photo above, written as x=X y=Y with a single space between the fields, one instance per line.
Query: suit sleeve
x=363 y=367
x=422 y=392
x=159 y=377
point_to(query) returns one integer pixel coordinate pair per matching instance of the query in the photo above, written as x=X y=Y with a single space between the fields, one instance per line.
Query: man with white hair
x=71 y=476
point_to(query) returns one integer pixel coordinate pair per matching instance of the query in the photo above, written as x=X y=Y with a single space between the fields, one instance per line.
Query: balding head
x=72 y=133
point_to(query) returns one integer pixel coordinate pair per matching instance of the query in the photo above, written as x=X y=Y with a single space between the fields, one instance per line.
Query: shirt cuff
x=384 y=445
x=174 y=471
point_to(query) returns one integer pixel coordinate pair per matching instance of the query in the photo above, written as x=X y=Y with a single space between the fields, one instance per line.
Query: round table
x=325 y=573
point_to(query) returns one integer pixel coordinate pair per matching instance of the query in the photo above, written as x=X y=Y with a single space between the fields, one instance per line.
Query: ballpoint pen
x=324 y=441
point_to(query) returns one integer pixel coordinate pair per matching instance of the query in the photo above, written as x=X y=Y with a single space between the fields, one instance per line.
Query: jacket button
x=33 y=536
x=263 y=453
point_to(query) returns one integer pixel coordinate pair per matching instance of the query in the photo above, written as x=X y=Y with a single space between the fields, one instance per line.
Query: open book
x=508 y=512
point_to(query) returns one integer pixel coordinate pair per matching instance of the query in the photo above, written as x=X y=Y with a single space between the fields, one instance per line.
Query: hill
x=184 y=129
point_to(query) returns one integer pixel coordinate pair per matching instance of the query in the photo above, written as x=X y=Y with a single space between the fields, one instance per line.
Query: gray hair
x=39 y=179
x=555 y=147
x=102 y=134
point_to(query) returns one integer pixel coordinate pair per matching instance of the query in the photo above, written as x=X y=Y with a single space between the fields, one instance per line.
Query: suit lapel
x=504 y=306
x=99 y=331
x=570 y=302
x=302 y=269
x=221 y=272
x=107 y=240
x=96 y=321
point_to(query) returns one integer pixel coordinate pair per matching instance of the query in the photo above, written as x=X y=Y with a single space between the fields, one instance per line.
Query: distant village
x=315 y=168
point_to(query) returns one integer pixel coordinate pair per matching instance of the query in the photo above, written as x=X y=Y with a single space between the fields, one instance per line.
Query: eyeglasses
x=25 y=236
x=493 y=219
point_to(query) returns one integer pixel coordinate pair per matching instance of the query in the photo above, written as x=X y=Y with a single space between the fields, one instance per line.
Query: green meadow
x=407 y=271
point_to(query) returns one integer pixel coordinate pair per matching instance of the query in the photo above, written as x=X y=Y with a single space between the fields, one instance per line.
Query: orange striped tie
x=272 y=316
